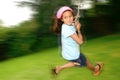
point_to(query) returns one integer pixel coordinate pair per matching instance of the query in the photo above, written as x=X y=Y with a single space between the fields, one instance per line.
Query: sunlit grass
x=38 y=66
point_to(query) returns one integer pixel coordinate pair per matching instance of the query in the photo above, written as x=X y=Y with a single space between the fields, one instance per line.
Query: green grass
x=38 y=66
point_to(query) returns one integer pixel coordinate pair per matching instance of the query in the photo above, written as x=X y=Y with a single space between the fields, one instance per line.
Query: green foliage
x=17 y=41
x=24 y=38
x=3 y=44
x=105 y=15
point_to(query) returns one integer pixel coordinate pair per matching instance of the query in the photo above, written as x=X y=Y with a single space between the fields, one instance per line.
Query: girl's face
x=67 y=17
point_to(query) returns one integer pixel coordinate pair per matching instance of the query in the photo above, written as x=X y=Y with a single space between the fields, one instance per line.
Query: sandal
x=100 y=65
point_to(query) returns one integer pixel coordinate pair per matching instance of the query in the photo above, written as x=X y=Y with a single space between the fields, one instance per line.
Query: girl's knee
x=77 y=64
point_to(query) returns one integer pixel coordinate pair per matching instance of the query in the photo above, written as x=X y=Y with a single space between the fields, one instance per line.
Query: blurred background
x=98 y=18
x=29 y=49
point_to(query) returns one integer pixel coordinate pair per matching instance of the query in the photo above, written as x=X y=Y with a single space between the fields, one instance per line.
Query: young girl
x=71 y=38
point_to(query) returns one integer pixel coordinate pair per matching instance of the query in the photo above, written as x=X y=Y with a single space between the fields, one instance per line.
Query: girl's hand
x=77 y=25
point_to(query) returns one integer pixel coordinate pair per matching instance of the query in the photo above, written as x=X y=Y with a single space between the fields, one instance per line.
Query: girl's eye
x=65 y=17
x=70 y=16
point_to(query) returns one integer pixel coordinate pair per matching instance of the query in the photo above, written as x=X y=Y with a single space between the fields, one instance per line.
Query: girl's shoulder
x=67 y=27
x=64 y=26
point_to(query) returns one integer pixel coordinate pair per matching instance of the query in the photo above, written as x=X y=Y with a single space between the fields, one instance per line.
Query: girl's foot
x=98 y=68
x=55 y=70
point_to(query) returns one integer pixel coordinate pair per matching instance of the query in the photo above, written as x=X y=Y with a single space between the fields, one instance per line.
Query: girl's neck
x=70 y=24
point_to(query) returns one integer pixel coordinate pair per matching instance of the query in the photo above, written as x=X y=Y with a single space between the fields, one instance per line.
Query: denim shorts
x=81 y=60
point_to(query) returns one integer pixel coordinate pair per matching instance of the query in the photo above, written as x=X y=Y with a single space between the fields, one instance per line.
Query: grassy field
x=38 y=66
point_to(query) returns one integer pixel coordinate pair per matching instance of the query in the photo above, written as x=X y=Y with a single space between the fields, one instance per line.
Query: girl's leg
x=96 y=69
x=89 y=65
x=68 y=65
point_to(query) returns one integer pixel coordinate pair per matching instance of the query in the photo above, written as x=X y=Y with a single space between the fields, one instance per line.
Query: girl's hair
x=56 y=28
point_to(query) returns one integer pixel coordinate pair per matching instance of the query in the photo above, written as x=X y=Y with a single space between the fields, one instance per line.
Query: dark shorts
x=81 y=60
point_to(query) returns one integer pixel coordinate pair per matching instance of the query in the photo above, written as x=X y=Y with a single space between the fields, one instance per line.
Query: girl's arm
x=77 y=37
